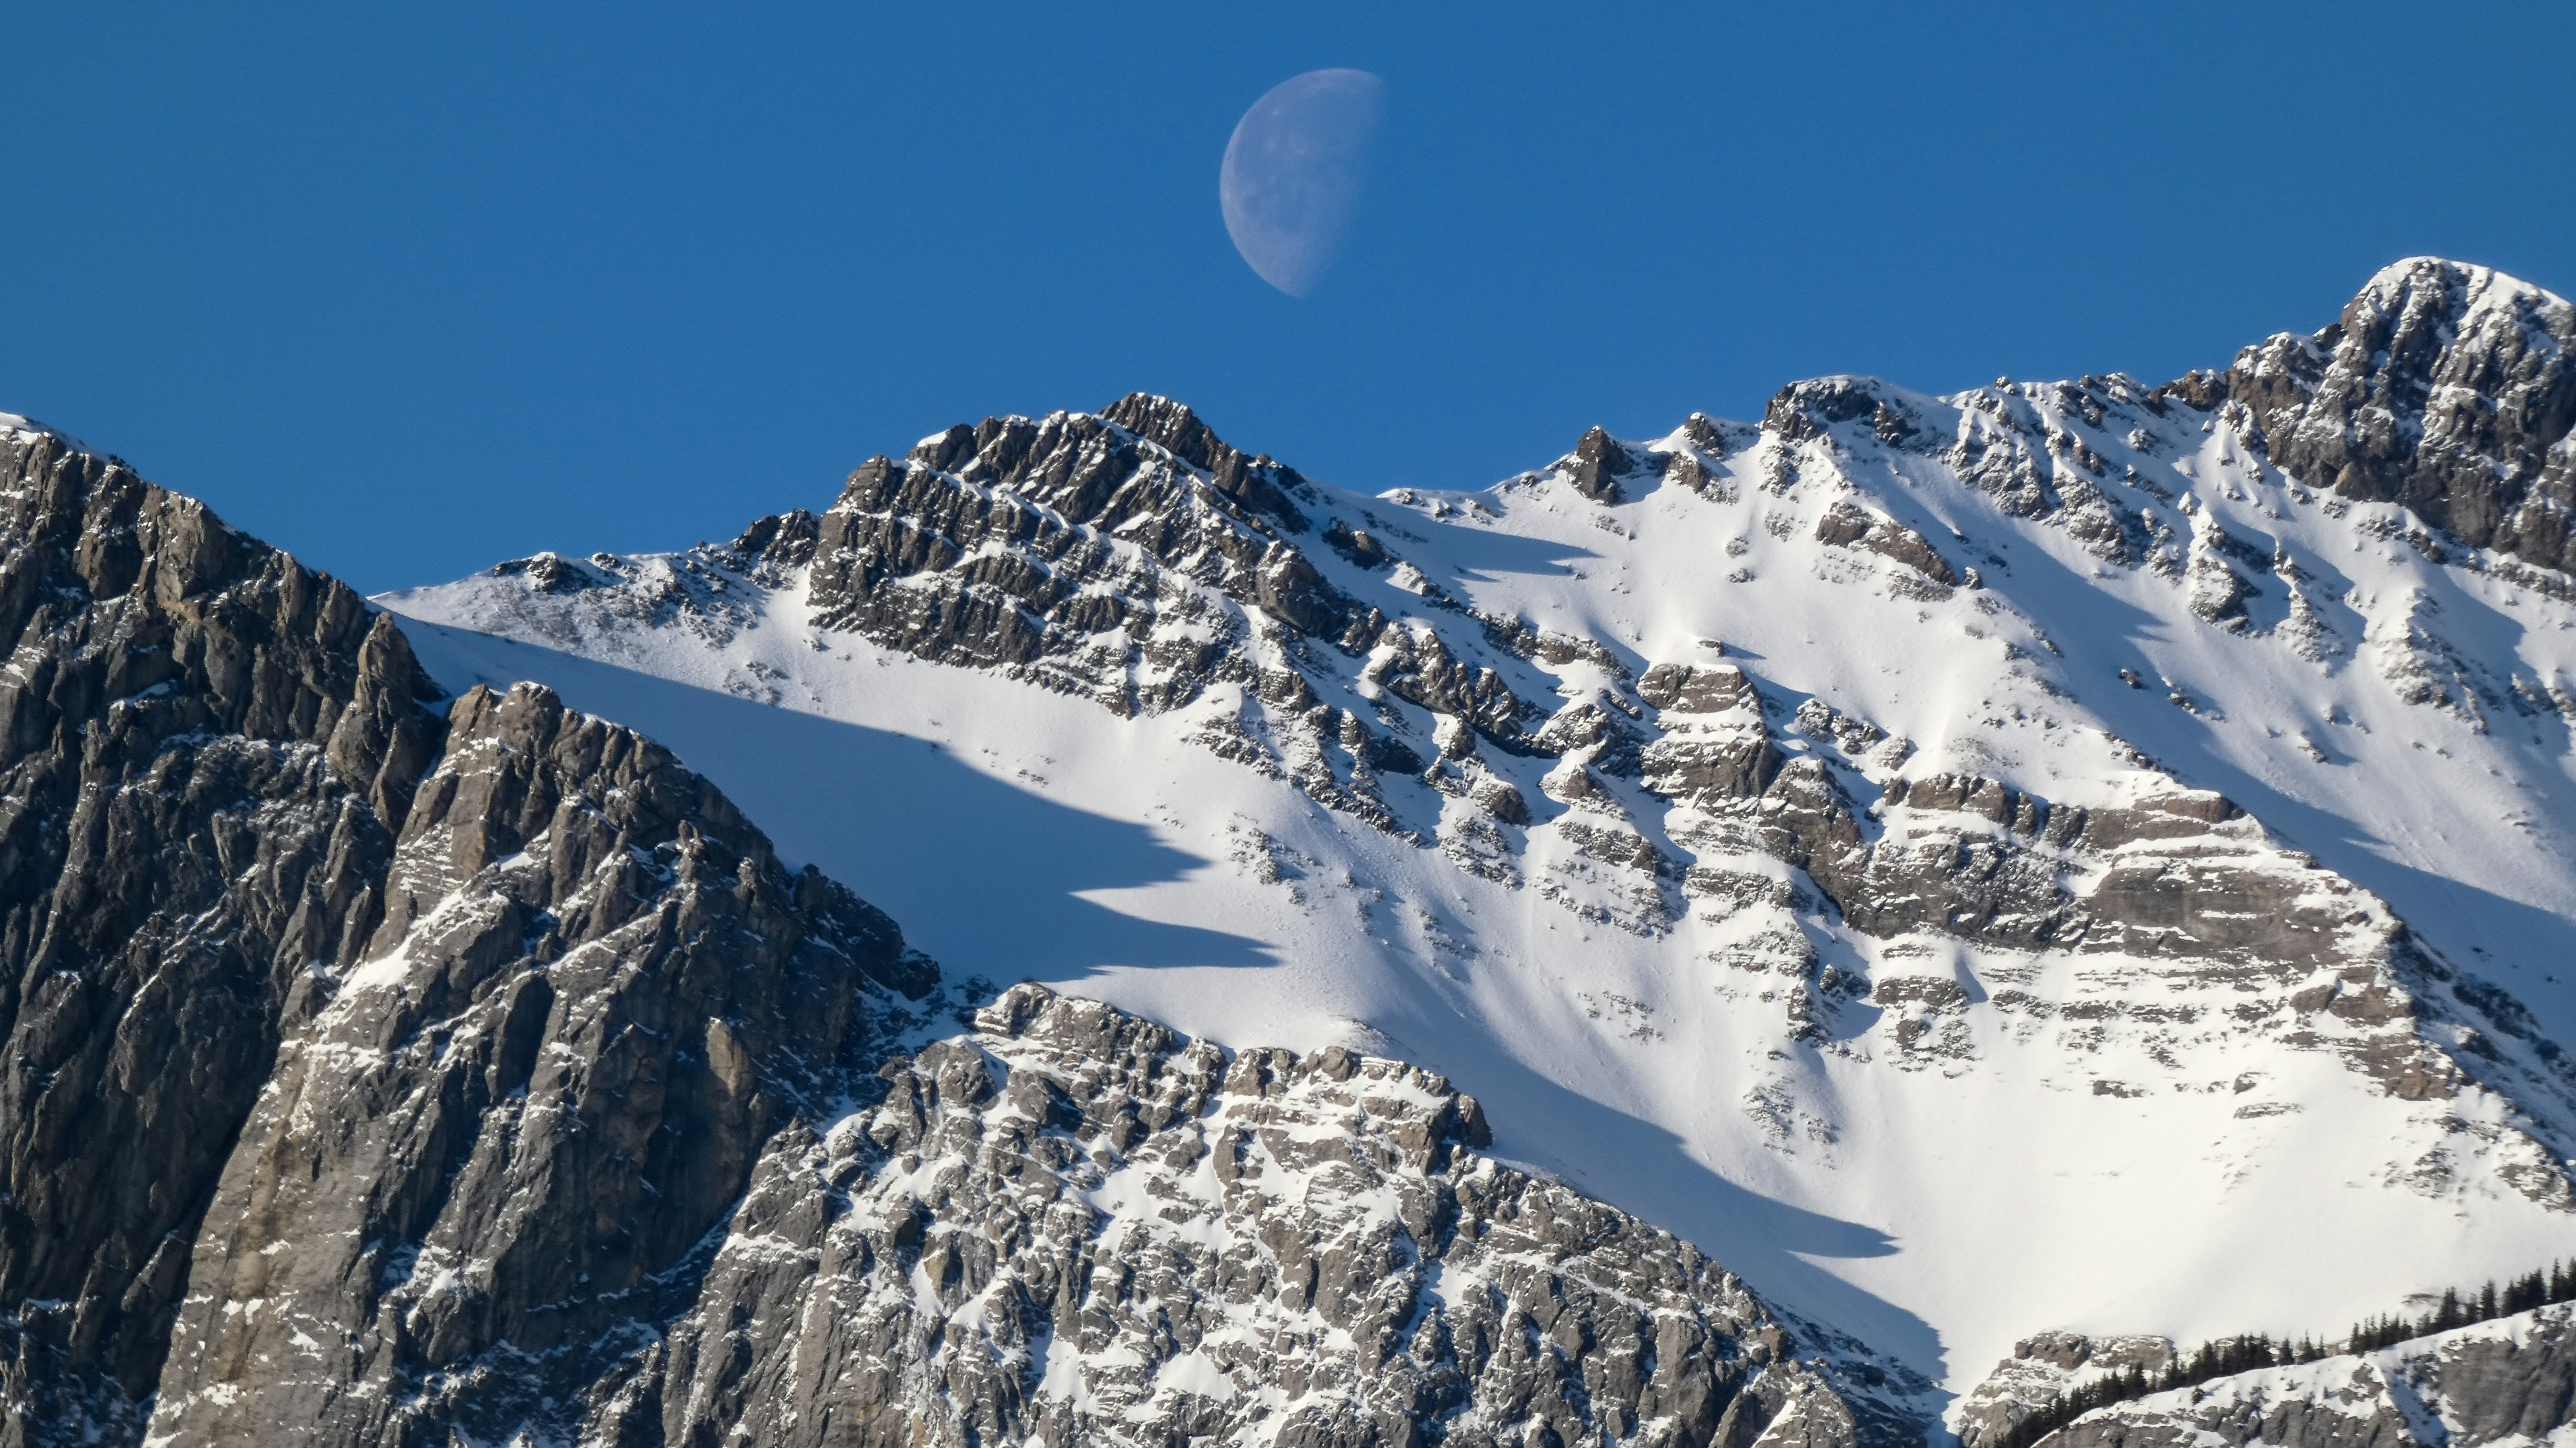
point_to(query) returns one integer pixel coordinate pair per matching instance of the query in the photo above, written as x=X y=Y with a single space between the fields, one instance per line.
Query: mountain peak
x=18 y=423
x=2466 y=285
x=2446 y=387
x=1171 y=425
x=1810 y=408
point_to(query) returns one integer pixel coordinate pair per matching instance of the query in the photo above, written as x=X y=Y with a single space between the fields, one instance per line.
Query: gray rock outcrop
x=493 y=1162
x=2045 y=1366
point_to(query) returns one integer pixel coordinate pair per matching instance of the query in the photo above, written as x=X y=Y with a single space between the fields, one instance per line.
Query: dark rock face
x=209 y=837
x=2508 y=1381
x=493 y=1162
x=1846 y=526
x=1597 y=464
x=1811 y=409
x=1325 y=1259
x=2442 y=387
x=1130 y=557
x=205 y=752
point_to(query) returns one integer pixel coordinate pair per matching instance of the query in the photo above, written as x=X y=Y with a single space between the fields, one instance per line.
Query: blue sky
x=410 y=293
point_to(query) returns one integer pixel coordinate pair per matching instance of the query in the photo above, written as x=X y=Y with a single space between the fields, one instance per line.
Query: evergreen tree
x=2486 y=1303
x=2525 y=1293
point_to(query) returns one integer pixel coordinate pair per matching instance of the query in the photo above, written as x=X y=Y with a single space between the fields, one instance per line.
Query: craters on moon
x=1294 y=171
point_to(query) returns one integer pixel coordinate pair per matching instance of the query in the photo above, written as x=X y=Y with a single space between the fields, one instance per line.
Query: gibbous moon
x=1294 y=172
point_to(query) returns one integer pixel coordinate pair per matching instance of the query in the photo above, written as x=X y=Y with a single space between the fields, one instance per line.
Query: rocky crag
x=209 y=753
x=385 y=1069
x=485 y=1170
x=2048 y=1366
x=2448 y=389
x=1073 y=1226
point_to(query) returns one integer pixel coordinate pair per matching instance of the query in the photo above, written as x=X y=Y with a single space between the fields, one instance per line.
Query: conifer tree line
x=2229 y=1356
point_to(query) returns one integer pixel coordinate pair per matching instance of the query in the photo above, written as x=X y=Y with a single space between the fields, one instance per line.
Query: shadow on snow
x=989 y=878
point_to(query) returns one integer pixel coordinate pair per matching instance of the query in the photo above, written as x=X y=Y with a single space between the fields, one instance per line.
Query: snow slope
x=2030 y=1138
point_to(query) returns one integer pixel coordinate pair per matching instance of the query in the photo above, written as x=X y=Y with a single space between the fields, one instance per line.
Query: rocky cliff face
x=2045 y=1366
x=491 y=1166
x=206 y=752
x=217 y=878
x=2508 y=1381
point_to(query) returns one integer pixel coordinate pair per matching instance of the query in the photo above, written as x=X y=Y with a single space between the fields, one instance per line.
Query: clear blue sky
x=409 y=293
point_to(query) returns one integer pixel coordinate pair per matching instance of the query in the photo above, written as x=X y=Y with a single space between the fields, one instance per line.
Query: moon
x=1294 y=171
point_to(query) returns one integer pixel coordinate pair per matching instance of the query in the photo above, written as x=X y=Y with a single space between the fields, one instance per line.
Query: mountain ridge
x=1894 y=849
x=1493 y=679
x=385 y=1074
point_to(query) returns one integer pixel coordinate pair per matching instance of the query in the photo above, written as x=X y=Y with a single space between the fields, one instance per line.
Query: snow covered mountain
x=2078 y=855
x=383 y=1068
x=1714 y=940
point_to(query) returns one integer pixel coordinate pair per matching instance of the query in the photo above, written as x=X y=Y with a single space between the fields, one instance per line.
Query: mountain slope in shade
x=206 y=753
x=2079 y=855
